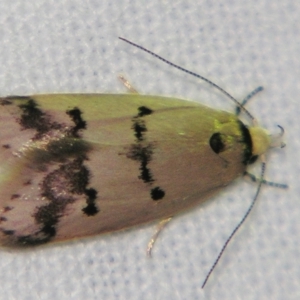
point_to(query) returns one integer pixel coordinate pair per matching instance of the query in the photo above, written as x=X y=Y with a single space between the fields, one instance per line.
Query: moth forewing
x=86 y=164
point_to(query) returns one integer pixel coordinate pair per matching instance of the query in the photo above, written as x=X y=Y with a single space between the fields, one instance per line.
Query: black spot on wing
x=157 y=193
x=144 y=111
x=142 y=151
x=91 y=209
x=217 y=143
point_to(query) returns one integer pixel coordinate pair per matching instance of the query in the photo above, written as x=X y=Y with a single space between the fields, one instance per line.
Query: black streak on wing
x=64 y=184
x=33 y=118
x=248 y=158
x=142 y=151
x=143 y=154
x=75 y=115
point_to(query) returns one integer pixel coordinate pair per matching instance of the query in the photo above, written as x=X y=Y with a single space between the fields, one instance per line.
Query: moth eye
x=216 y=143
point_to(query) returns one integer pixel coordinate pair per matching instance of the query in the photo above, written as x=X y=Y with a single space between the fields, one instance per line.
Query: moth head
x=262 y=140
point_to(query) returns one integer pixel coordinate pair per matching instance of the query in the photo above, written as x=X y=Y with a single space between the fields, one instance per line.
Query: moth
x=78 y=165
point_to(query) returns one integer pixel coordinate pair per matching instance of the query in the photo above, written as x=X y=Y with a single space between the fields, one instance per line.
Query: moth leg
x=247 y=98
x=161 y=225
x=253 y=178
x=128 y=85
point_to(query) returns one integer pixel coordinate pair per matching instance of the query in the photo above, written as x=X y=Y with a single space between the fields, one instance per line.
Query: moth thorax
x=261 y=140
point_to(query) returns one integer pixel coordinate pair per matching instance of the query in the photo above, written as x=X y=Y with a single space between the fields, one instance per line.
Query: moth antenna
x=247 y=98
x=263 y=167
x=193 y=74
